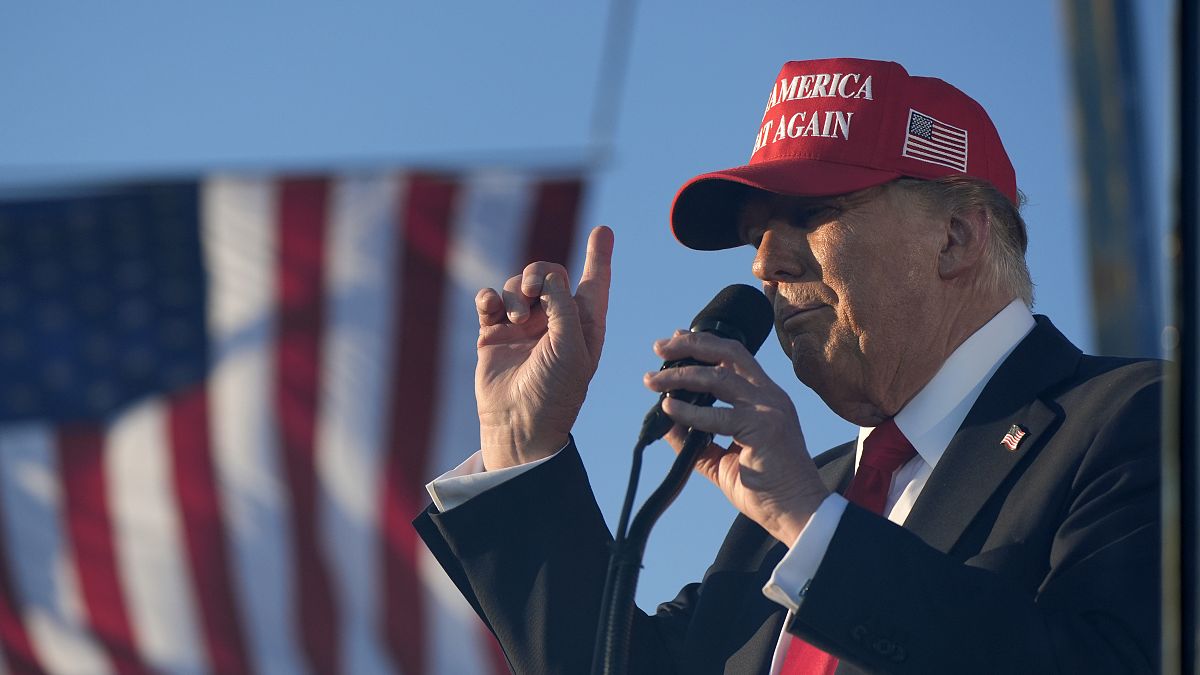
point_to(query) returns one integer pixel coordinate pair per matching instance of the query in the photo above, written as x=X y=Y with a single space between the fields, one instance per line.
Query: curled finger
x=713 y=420
x=710 y=348
x=490 y=307
x=701 y=346
x=720 y=381
x=516 y=303
x=534 y=276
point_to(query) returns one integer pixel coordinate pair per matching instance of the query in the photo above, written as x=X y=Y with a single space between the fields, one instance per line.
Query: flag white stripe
x=954 y=140
x=488 y=240
x=936 y=150
x=148 y=541
x=240 y=253
x=949 y=146
x=41 y=556
x=932 y=159
x=351 y=425
x=911 y=150
x=953 y=153
x=953 y=133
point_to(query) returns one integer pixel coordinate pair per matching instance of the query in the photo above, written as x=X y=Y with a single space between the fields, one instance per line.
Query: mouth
x=800 y=312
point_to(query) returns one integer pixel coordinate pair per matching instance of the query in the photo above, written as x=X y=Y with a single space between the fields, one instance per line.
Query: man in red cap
x=999 y=509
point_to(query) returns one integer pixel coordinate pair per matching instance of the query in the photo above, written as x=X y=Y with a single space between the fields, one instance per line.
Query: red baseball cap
x=834 y=126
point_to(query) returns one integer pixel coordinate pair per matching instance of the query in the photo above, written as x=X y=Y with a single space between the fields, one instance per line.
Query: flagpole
x=614 y=61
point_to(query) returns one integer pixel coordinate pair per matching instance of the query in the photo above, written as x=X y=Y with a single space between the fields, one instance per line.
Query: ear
x=967 y=234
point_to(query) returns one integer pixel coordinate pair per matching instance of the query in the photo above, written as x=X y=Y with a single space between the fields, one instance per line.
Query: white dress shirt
x=929 y=421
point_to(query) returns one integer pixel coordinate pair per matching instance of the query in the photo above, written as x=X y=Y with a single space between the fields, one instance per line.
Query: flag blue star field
x=219 y=403
x=107 y=297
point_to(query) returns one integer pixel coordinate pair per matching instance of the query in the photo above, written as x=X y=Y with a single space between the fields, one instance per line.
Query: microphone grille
x=744 y=307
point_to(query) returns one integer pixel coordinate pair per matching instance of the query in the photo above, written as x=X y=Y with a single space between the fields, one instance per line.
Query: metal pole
x=1188 y=308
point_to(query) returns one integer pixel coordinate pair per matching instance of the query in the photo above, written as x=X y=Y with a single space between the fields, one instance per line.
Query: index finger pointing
x=597 y=266
x=591 y=296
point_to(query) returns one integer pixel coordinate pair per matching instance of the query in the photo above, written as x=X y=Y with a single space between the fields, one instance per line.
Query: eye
x=756 y=216
x=752 y=234
x=752 y=221
x=812 y=216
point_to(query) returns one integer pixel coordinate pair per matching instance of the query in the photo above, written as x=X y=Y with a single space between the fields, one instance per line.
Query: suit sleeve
x=531 y=556
x=885 y=601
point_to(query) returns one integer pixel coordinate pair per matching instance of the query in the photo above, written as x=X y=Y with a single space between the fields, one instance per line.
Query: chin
x=854 y=411
x=812 y=372
x=847 y=402
x=807 y=348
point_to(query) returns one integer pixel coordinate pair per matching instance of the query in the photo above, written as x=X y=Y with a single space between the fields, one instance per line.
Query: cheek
x=877 y=308
x=867 y=274
x=865 y=299
x=843 y=274
x=869 y=284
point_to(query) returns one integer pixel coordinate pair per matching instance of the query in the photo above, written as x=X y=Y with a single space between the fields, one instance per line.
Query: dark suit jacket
x=1040 y=560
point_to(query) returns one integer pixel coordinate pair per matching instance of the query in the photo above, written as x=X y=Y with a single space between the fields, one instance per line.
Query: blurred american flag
x=219 y=403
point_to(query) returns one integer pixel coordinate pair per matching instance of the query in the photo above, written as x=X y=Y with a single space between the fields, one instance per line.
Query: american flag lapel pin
x=1013 y=438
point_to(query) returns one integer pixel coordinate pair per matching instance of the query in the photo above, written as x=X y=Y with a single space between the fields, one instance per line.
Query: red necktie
x=884 y=451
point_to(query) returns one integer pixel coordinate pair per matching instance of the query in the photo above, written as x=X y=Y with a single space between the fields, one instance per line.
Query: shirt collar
x=934 y=415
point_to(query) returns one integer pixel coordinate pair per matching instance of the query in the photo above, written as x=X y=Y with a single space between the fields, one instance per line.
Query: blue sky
x=176 y=88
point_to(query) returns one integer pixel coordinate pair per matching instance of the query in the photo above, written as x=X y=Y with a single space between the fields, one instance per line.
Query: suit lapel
x=838 y=468
x=976 y=462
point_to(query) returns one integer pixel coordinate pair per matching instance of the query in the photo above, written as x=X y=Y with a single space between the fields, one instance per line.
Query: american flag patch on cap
x=929 y=140
x=1013 y=438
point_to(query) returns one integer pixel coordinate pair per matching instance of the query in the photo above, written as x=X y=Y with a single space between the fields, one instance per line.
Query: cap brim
x=705 y=212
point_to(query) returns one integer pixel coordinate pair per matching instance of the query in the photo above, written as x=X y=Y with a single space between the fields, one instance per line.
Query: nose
x=780 y=255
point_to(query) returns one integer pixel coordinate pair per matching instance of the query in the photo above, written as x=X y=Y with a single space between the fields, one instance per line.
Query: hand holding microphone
x=766 y=472
x=740 y=313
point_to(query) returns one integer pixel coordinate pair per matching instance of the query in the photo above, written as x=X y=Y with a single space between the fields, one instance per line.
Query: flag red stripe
x=81 y=461
x=933 y=148
x=555 y=216
x=18 y=655
x=950 y=132
x=194 y=478
x=426 y=218
x=301 y=252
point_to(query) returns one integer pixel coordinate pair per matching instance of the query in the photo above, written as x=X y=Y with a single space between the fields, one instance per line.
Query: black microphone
x=739 y=312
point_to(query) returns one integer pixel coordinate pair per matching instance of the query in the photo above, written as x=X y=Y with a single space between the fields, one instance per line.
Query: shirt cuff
x=471 y=479
x=789 y=581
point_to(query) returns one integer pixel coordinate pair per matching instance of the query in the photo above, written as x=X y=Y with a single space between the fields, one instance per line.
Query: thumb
x=562 y=315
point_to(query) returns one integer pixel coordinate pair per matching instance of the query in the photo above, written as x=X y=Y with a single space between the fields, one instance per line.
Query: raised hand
x=538 y=348
x=766 y=473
